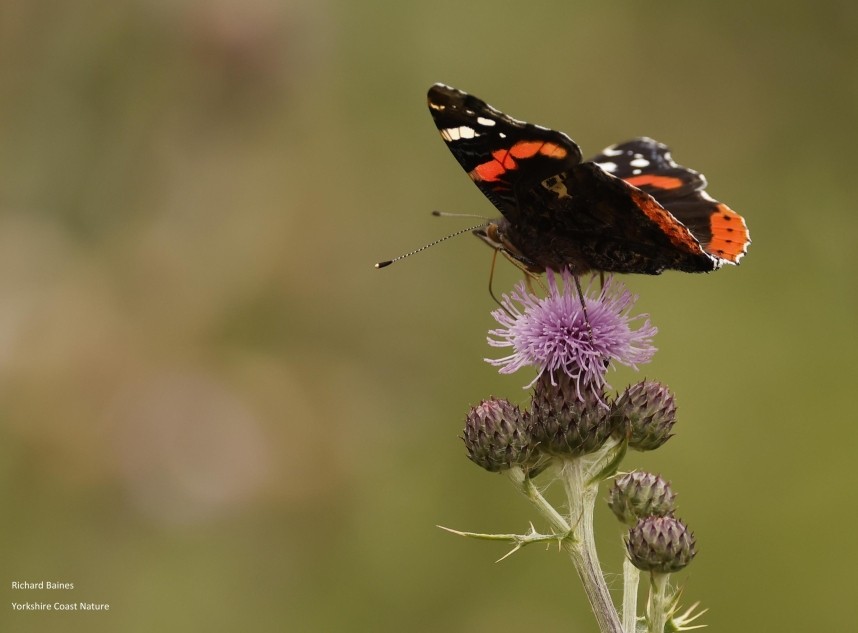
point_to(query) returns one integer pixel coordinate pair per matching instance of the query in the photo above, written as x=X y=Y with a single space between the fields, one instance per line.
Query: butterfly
x=629 y=209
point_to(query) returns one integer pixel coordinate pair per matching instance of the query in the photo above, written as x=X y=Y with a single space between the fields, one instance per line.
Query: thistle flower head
x=660 y=544
x=554 y=334
x=565 y=420
x=647 y=410
x=637 y=495
x=497 y=438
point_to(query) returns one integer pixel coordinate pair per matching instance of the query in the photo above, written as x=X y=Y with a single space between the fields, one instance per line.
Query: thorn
x=509 y=553
x=452 y=531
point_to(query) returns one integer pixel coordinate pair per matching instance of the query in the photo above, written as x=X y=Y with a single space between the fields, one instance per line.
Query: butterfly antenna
x=447 y=214
x=388 y=262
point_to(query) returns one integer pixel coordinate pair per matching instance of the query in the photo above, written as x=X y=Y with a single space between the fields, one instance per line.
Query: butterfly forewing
x=491 y=147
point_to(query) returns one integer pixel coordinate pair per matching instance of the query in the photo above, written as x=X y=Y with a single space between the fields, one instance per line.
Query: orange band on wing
x=489 y=172
x=505 y=159
x=677 y=232
x=553 y=150
x=525 y=149
x=660 y=182
x=730 y=237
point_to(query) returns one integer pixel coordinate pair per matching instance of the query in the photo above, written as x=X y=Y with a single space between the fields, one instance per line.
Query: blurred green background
x=215 y=415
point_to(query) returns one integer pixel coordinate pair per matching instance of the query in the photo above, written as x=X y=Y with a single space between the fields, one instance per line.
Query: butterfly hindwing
x=649 y=166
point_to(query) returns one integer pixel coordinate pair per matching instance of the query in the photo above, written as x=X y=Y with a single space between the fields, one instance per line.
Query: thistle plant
x=574 y=433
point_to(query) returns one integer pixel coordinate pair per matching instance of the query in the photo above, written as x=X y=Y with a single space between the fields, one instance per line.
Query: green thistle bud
x=660 y=544
x=496 y=436
x=565 y=420
x=648 y=411
x=637 y=495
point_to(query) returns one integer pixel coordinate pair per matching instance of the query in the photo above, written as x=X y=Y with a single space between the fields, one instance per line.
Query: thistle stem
x=528 y=488
x=581 y=544
x=658 y=607
x=631 y=580
x=582 y=547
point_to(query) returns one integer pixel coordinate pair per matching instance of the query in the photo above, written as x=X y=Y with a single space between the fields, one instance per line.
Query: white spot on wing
x=484 y=121
x=457 y=133
x=608 y=167
x=639 y=161
x=612 y=151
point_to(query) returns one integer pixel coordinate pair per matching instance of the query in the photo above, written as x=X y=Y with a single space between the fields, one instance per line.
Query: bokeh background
x=215 y=415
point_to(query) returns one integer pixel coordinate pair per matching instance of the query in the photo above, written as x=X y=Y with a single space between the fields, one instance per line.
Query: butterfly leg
x=491 y=281
x=528 y=275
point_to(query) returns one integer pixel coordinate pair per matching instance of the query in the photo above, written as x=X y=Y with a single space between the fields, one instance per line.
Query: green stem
x=582 y=492
x=631 y=580
x=658 y=607
x=528 y=488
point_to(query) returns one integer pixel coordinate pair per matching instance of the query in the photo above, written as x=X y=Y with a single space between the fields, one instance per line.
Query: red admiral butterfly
x=631 y=209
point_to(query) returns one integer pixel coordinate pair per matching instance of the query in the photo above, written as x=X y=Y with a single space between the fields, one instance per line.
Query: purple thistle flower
x=551 y=333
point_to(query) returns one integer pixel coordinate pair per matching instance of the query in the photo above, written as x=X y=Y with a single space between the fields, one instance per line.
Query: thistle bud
x=660 y=544
x=637 y=495
x=648 y=412
x=565 y=420
x=496 y=436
